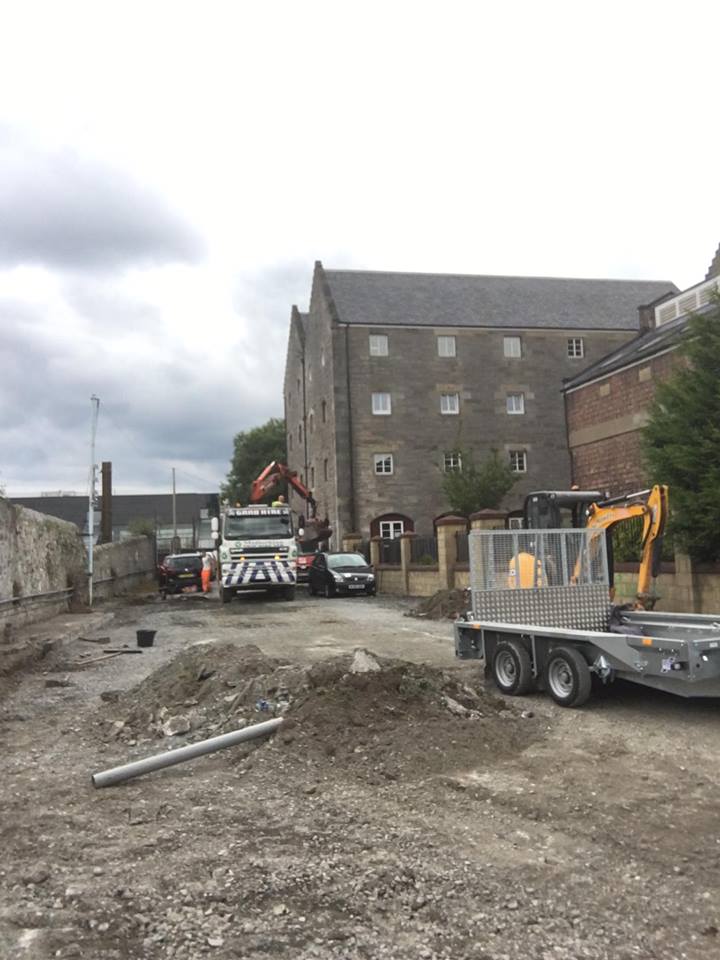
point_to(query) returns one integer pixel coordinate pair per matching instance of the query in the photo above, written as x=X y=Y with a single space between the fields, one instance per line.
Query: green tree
x=253 y=450
x=142 y=527
x=477 y=487
x=681 y=440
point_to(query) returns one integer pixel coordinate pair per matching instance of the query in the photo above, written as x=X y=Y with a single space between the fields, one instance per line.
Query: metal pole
x=129 y=770
x=95 y=405
x=174 y=511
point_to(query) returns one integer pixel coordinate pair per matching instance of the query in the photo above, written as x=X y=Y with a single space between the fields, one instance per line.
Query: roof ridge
x=491 y=276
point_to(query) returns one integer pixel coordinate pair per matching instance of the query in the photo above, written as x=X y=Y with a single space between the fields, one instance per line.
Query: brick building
x=389 y=376
x=607 y=403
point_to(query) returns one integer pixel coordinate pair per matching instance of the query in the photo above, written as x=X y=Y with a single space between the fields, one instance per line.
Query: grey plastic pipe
x=107 y=778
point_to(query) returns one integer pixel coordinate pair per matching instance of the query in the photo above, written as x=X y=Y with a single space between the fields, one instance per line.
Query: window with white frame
x=515 y=523
x=391 y=529
x=381 y=404
x=449 y=403
x=515 y=403
x=383 y=463
x=512 y=347
x=576 y=348
x=446 y=346
x=378 y=345
x=518 y=461
x=452 y=462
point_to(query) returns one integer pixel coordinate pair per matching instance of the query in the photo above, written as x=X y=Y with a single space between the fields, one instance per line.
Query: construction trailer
x=541 y=617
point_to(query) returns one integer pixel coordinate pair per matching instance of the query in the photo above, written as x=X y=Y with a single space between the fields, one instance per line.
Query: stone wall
x=43 y=566
x=38 y=555
x=118 y=568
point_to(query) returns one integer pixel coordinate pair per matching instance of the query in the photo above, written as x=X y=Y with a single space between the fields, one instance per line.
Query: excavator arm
x=652 y=506
x=272 y=475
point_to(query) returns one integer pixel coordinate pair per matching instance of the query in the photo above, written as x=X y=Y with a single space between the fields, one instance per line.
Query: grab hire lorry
x=256 y=551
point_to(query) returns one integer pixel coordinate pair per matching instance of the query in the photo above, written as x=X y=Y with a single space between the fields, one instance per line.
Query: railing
x=390 y=552
x=462 y=550
x=49 y=595
x=424 y=550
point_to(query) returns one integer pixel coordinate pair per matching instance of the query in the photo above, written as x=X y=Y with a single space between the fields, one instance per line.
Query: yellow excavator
x=552 y=509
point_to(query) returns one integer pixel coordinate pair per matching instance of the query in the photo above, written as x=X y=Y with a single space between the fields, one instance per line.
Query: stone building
x=607 y=403
x=391 y=376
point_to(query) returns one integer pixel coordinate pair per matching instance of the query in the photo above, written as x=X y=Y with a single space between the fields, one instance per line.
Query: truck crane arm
x=272 y=475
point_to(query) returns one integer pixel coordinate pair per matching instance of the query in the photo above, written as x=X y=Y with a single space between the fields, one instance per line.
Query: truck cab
x=257 y=550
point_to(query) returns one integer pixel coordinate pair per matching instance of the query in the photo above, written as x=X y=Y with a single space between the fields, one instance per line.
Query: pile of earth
x=443 y=605
x=383 y=719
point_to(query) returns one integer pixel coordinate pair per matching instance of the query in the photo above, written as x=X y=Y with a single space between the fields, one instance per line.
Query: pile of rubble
x=443 y=605
x=379 y=716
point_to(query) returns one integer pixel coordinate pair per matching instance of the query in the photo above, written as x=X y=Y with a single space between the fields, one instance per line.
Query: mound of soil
x=443 y=605
x=402 y=721
x=378 y=718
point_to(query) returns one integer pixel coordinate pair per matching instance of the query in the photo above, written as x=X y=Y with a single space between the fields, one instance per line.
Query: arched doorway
x=389 y=526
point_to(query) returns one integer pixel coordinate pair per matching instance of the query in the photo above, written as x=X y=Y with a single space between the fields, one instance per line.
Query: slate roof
x=436 y=300
x=125 y=507
x=644 y=347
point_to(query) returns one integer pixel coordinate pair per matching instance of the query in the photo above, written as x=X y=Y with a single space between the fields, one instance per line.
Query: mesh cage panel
x=553 y=578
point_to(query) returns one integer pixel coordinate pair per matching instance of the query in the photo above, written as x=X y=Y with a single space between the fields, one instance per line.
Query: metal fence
x=548 y=577
x=424 y=550
x=390 y=552
x=462 y=549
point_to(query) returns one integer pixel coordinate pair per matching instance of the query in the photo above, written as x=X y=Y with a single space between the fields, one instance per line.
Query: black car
x=180 y=573
x=333 y=573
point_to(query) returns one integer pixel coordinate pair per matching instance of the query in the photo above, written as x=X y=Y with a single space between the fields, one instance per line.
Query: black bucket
x=146 y=638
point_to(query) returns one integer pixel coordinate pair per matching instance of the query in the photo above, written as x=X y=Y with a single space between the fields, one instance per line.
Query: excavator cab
x=552 y=509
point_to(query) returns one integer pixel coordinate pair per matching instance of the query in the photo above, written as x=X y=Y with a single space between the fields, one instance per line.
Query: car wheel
x=329 y=590
x=311 y=589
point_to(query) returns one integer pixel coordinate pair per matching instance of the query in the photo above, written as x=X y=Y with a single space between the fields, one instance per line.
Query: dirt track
x=377 y=824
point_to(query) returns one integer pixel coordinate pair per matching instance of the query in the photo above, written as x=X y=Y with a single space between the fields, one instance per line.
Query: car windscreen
x=338 y=560
x=262 y=527
x=183 y=563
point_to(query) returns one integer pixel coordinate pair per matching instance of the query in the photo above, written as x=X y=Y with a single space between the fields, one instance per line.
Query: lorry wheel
x=289 y=593
x=567 y=677
x=225 y=595
x=512 y=669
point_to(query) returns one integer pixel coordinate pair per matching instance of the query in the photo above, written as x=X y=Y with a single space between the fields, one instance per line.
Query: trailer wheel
x=512 y=669
x=567 y=677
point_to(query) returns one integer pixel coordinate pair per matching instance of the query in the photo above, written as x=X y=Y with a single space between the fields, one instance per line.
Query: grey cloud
x=161 y=408
x=265 y=297
x=63 y=210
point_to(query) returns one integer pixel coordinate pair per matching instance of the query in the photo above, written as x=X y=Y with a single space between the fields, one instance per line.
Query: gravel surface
x=400 y=812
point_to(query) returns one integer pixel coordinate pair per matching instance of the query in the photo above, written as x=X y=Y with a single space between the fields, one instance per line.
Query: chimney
x=106 y=514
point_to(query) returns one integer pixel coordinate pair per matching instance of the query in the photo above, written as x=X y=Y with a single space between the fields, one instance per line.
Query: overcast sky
x=169 y=173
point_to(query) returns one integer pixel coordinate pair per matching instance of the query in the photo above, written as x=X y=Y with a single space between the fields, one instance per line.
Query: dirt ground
x=400 y=812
